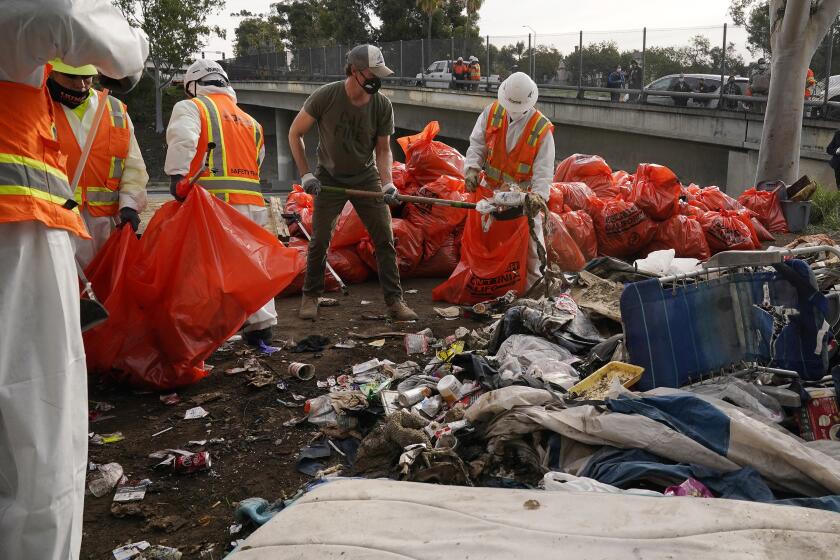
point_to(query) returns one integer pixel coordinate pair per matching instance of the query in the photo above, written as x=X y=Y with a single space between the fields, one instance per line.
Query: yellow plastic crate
x=597 y=385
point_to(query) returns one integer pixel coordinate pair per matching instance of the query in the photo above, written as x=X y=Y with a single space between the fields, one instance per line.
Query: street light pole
x=533 y=65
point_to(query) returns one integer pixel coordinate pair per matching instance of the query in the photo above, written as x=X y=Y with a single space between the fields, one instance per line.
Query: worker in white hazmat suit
x=112 y=187
x=210 y=114
x=43 y=385
x=513 y=143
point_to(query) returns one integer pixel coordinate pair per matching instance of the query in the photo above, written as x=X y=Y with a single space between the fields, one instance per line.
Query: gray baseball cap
x=368 y=56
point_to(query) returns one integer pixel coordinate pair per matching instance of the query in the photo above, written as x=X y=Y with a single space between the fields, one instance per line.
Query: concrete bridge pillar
x=286 y=172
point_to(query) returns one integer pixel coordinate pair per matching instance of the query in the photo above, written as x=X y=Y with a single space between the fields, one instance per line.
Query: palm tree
x=472 y=7
x=429 y=7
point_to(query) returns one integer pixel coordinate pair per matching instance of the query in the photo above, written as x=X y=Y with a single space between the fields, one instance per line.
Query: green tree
x=176 y=29
x=257 y=34
x=755 y=17
x=429 y=7
x=314 y=23
x=599 y=59
x=471 y=25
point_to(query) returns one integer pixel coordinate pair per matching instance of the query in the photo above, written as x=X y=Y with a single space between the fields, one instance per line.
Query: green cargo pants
x=376 y=218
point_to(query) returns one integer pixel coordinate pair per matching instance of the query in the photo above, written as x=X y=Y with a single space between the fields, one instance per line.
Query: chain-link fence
x=626 y=66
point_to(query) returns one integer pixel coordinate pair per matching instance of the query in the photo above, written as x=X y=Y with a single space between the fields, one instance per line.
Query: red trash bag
x=330 y=283
x=688 y=209
x=656 y=190
x=684 y=235
x=300 y=203
x=761 y=231
x=575 y=196
x=437 y=222
x=442 y=263
x=491 y=263
x=592 y=170
x=404 y=182
x=349 y=229
x=426 y=159
x=715 y=200
x=623 y=230
x=581 y=228
x=726 y=231
x=408 y=241
x=767 y=208
x=202 y=269
x=562 y=249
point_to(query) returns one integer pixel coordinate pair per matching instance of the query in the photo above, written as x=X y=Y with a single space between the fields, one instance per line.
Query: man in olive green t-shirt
x=355 y=123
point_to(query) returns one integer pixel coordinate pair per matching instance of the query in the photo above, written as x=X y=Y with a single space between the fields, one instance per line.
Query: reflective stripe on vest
x=219 y=182
x=515 y=166
x=26 y=173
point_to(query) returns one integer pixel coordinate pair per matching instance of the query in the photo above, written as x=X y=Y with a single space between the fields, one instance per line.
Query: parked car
x=664 y=84
x=439 y=75
x=833 y=95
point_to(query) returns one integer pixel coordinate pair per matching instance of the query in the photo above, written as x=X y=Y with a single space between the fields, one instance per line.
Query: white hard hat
x=518 y=93
x=201 y=69
x=473 y=59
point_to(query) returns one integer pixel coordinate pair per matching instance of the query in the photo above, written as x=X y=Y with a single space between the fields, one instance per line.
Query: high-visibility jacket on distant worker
x=33 y=176
x=475 y=71
x=233 y=172
x=99 y=186
x=460 y=69
x=517 y=165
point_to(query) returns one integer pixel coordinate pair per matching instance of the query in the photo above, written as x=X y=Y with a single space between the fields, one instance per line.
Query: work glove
x=391 y=193
x=471 y=179
x=179 y=187
x=129 y=216
x=311 y=184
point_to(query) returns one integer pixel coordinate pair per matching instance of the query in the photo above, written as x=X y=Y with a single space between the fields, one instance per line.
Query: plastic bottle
x=450 y=389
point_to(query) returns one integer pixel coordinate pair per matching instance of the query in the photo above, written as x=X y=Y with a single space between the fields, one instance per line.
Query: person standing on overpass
x=355 y=122
x=43 y=378
x=459 y=71
x=474 y=73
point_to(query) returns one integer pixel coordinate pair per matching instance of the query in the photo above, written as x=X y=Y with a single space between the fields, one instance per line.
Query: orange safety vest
x=33 y=177
x=233 y=172
x=517 y=166
x=475 y=71
x=99 y=186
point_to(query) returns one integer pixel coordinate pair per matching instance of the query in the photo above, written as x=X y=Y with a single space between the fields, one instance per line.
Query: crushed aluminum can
x=196 y=462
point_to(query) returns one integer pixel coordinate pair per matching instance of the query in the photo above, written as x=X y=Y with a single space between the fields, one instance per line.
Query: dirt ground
x=258 y=455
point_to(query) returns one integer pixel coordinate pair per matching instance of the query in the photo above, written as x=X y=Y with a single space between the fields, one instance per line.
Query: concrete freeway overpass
x=707 y=147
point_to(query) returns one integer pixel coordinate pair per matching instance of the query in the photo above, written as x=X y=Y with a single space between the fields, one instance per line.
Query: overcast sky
x=669 y=22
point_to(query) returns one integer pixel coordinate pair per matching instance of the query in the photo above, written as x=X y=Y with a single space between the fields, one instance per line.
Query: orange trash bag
x=408 y=242
x=656 y=191
x=582 y=229
x=426 y=159
x=767 y=208
x=491 y=263
x=684 y=235
x=349 y=228
x=437 y=222
x=572 y=195
x=726 y=231
x=715 y=200
x=761 y=231
x=330 y=283
x=298 y=202
x=623 y=230
x=202 y=268
x=442 y=263
x=592 y=170
x=562 y=249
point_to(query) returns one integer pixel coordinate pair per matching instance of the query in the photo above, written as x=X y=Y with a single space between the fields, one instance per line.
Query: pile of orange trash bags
x=594 y=211
x=174 y=296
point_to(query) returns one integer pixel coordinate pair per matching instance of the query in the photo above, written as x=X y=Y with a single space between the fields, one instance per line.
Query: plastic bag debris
x=426 y=159
x=563 y=251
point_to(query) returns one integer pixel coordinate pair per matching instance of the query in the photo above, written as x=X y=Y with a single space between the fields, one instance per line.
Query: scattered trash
x=135 y=493
x=597 y=385
x=691 y=488
x=448 y=313
x=236 y=370
x=103 y=439
x=312 y=343
x=820 y=417
x=268 y=350
x=194 y=463
x=411 y=291
x=194 y=413
x=346 y=344
x=105 y=479
x=170 y=399
x=377 y=343
x=327 y=302
x=374 y=316
x=416 y=344
x=163 y=431
x=130 y=551
x=365 y=302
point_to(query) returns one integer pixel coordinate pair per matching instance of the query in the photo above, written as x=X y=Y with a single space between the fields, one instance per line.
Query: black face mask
x=70 y=97
x=370 y=85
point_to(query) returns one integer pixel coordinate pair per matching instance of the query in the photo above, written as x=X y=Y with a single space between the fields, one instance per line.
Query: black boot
x=253 y=338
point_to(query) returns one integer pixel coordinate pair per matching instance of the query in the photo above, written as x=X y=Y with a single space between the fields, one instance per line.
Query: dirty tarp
x=734 y=440
x=597 y=295
x=424 y=521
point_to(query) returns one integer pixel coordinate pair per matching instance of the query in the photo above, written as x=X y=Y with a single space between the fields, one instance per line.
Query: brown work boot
x=308 y=307
x=399 y=311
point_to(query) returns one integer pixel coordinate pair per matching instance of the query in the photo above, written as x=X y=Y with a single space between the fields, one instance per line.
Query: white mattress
x=379 y=519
